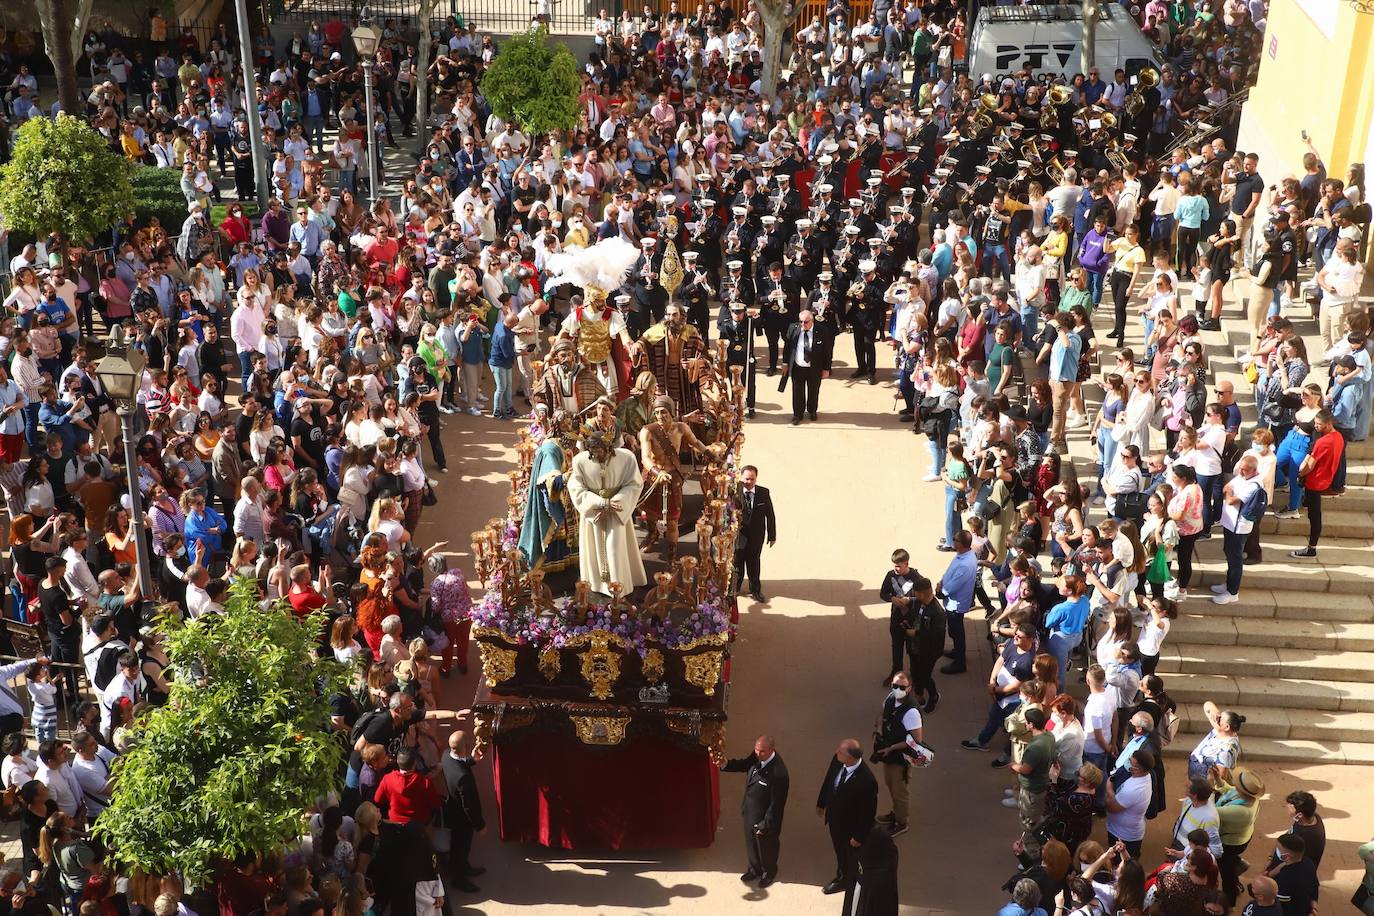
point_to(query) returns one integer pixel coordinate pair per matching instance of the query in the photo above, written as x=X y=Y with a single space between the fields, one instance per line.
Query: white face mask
x=898 y=693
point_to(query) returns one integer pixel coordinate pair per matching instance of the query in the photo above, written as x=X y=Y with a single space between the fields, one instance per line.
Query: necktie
x=806 y=345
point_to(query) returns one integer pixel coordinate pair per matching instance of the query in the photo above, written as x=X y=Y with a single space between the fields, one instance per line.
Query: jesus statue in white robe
x=605 y=485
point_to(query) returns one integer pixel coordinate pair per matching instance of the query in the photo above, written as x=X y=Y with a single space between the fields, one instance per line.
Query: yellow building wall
x=1316 y=74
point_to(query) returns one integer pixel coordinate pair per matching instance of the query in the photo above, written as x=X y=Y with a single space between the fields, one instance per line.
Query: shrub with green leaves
x=64 y=178
x=157 y=192
x=534 y=84
x=240 y=751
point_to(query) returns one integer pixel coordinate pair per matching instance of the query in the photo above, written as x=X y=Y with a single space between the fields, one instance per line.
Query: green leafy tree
x=239 y=752
x=534 y=84
x=64 y=178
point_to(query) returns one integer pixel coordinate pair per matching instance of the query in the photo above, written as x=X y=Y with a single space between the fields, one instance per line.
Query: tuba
x=1116 y=155
x=1103 y=134
x=1135 y=101
x=1056 y=96
x=1055 y=169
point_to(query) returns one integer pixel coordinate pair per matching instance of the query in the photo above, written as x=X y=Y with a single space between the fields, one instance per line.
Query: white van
x=1049 y=40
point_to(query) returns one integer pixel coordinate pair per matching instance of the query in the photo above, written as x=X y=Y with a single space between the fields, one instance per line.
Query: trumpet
x=857 y=289
x=732 y=239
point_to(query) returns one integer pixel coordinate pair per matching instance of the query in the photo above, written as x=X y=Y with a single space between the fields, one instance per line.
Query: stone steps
x=1249 y=691
x=1276 y=604
x=1295 y=654
x=1287 y=752
x=1322 y=664
x=1204 y=626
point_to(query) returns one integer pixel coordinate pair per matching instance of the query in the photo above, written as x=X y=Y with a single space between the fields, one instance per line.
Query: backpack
x=363 y=722
x=1253 y=509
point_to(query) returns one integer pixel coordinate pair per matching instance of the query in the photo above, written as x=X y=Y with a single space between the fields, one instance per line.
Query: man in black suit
x=462 y=812
x=757 y=525
x=765 y=795
x=806 y=354
x=848 y=802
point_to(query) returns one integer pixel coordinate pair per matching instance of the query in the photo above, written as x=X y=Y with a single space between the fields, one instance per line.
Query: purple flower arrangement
x=637 y=632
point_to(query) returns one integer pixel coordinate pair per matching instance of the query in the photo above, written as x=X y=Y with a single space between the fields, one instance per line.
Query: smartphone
x=1304 y=136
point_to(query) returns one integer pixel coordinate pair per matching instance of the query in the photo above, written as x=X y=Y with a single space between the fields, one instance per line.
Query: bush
x=157 y=192
x=64 y=178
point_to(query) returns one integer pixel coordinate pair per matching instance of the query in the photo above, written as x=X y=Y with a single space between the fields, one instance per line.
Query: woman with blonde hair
x=388 y=519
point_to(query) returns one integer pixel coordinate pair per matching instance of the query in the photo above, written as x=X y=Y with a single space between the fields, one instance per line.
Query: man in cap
x=696 y=291
x=737 y=238
x=802 y=257
x=650 y=298
x=779 y=302
x=737 y=329
x=867 y=309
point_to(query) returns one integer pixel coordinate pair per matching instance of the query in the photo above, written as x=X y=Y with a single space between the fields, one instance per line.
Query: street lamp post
x=121 y=373
x=366 y=37
x=250 y=103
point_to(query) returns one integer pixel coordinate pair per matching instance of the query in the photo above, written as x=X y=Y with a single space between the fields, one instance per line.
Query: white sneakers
x=931 y=478
x=1225 y=598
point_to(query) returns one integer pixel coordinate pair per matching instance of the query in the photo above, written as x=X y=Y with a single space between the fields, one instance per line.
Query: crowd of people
x=301 y=362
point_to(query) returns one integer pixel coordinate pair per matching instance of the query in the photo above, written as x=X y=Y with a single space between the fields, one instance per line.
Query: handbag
x=1251 y=372
x=428 y=497
x=1131 y=506
x=1361 y=897
x=1158 y=570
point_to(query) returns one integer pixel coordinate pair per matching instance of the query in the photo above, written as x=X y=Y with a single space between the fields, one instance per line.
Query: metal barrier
x=24 y=636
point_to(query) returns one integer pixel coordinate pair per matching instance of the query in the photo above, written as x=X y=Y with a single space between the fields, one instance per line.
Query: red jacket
x=407 y=797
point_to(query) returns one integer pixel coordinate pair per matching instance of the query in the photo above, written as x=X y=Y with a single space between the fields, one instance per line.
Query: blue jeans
x=31 y=425
x=1030 y=322
x=1095 y=279
x=997 y=714
x=1233 y=545
x=245 y=367
x=501 y=400
x=1211 y=499
x=1292 y=450
x=1061 y=647
x=1099 y=761
x=952 y=523
x=1107 y=447
x=996 y=254
x=937 y=455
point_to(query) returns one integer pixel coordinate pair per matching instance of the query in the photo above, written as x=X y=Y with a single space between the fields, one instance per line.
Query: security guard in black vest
x=899 y=720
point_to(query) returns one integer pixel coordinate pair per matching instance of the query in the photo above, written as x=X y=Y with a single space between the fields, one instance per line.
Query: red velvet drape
x=649 y=792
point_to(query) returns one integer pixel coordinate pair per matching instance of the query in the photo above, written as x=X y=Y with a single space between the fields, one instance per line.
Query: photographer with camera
x=899 y=722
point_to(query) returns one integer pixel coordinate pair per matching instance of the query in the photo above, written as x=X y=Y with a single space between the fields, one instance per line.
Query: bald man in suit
x=848 y=803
